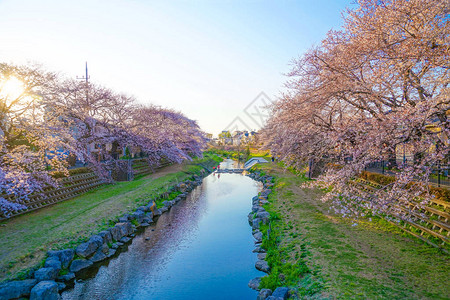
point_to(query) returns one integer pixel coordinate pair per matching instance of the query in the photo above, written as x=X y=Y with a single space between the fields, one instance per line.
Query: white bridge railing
x=253 y=161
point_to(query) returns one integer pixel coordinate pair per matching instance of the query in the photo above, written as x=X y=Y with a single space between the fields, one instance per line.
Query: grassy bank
x=244 y=154
x=325 y=255
x=24 y=240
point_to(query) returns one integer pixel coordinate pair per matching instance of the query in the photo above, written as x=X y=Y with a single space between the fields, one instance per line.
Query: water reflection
x=231 y=164
x=200 y=249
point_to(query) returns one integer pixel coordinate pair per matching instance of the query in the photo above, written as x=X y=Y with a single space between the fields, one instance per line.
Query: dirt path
x=167 y=170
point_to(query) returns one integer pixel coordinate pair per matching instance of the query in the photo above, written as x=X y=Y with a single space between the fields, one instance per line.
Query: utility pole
x=86 y=77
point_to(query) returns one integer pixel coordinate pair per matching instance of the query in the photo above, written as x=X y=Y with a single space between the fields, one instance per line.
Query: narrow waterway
x=200 y=249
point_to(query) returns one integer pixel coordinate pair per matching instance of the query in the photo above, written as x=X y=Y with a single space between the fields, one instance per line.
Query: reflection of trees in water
x=143 y=260
x=230 y=164
x=147 y=265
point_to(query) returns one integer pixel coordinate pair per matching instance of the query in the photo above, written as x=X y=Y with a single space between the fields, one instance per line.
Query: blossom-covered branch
x=45 y=119
x=378 y=85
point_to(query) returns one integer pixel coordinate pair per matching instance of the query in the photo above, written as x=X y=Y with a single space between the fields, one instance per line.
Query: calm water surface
x=200 y=249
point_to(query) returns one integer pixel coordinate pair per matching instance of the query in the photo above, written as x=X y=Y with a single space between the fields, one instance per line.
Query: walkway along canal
x=200 y=249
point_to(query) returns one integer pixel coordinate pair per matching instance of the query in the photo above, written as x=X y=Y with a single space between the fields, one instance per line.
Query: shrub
x=378 y=178
x=72 y=172
x=440 y=193
x=82 y=170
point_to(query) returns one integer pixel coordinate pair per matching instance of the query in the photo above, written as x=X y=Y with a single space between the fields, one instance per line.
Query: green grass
x=369 y=260
x=243 y=154
x=25 y=239
x=209 y=155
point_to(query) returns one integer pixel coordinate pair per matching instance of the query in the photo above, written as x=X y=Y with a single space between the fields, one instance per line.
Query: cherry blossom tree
x=166 y=134
x=31 y=140
x=44 y=118
x=102 y=116
x=96 y=117
x=378 y=84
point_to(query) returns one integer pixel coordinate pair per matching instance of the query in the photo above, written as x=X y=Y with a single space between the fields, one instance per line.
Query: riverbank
x=320 y=254
x=25 y=240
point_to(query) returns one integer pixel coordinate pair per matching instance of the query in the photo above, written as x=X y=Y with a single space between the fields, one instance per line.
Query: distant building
x=237 y=138
x=225 y=138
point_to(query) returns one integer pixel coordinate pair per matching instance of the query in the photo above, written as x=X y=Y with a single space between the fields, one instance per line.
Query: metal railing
x=440 y=175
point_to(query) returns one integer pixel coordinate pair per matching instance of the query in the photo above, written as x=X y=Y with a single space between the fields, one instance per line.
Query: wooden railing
x=429 y=223
x=71 y=187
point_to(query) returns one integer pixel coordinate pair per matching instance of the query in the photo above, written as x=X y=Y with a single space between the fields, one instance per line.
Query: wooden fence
x=429 y=223
x=73 y=186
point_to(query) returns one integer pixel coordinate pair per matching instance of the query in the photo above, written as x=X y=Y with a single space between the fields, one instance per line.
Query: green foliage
x=72 y=243
x=440 y=193
x=285 y=271
x=81 y=170
x=72 y=172
x=274 y=216
x=224 y=134
x=244 y=155
x=378 y=178
x=63 y=272
x=247 y=153
x=310 y=285
x=208 y=156
x=127 y=154
x=24 y=274
x=174 y=194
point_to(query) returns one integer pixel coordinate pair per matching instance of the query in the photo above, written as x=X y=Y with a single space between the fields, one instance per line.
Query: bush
x=82 y=170
x=378 y=178
x=72 y=172
x=440 y=193
x=334 y=166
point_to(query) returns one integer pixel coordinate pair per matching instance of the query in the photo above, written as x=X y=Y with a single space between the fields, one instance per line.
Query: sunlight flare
x=12 y=88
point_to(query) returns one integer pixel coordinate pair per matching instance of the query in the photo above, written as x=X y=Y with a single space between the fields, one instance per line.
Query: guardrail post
x=129 y=170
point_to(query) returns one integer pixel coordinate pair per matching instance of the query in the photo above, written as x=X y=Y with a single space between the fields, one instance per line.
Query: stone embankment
x=256 y=217
x=61 y=267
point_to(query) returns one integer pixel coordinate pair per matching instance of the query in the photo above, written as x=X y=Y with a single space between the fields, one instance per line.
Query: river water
x=200 y=249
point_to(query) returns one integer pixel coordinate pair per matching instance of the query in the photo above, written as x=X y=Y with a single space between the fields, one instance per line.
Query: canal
x=200 y=249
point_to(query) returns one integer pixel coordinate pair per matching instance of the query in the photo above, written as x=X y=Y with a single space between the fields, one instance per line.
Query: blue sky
x=208 y=59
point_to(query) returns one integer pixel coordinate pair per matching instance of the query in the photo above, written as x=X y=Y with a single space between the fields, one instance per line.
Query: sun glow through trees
x=11 y=89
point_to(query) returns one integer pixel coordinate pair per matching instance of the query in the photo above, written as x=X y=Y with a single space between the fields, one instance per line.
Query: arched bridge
x=250 y=163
